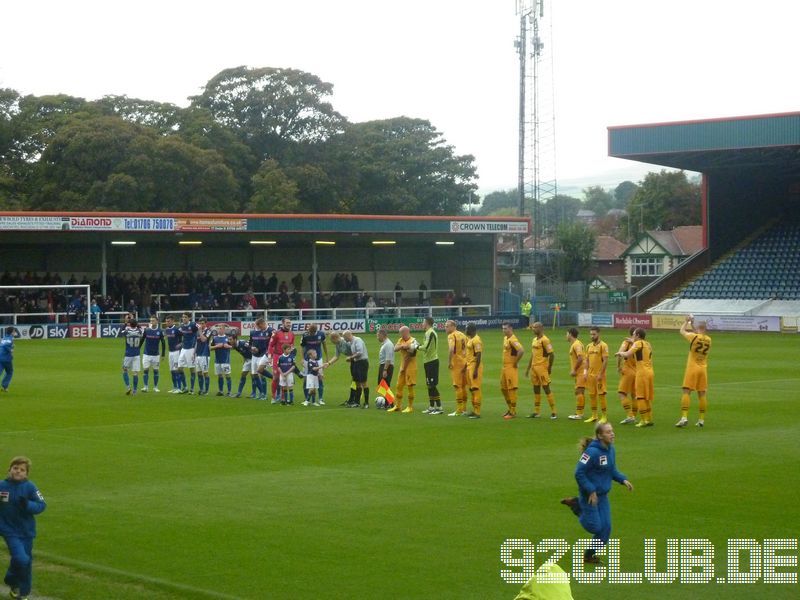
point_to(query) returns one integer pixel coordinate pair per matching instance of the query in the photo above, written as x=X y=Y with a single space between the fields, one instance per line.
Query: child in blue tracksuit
x=19 y=501
x=595 y=471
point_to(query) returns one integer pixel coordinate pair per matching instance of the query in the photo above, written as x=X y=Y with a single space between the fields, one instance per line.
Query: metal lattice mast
x=537 y=156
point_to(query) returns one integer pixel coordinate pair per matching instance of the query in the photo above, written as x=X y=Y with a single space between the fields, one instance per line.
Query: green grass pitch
x=162 y=496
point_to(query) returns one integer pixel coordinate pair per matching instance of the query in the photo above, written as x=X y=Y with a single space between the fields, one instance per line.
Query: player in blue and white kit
x=7 y=358
x=132 y=360
x=286 y=368
x=314 y=339
x=153 y=337
x=222 y=360
x=313 y=378
x=186 y=357
x=259 y=343
x=173 y=336
x=243 y=348
x=202 y=357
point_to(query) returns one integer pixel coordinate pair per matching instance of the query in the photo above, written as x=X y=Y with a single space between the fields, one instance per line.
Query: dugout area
x=455 y=252
x=750 y=169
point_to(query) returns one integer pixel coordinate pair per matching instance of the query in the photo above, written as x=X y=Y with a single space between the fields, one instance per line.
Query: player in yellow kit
x=407 y=347
x=577 y=366
x=540 y=366
x=474 y=369
x=642 y=352
x=457 y=363
x=509 y=376
x=626 y=367
x=597 y=359
x=695 y=378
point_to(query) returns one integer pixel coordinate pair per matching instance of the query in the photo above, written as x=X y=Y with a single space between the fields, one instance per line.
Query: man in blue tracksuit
x=596 y=469
x=6 y=358
x=19 y=501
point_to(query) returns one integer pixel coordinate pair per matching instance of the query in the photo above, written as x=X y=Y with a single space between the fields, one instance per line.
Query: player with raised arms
x=695 y=377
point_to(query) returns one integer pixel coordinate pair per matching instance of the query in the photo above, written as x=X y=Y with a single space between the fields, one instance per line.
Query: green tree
x=664 y=200
x=198 y=127
x=597 y=199
x=106 y=163
x=163 y=117
x=558 y=210
x=273 y=190
x=270 y=109
x=623 y=194
x=577 y=242
x=399 y=165
x=500 y=200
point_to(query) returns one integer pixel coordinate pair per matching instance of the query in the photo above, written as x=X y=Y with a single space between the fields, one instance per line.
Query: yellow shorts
x=645 y=385
x=458 y=375
x=474 y=383
x=696 y=378
x=539 y=375
x=627 y=382
x=509 y=378
x=595 y=385
x=407 y=377
x=580 y=380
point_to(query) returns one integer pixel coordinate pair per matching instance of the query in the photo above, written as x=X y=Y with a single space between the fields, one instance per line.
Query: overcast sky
x=450 y=61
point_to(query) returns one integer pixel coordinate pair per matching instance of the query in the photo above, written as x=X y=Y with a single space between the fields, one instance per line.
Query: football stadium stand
x=750 y=209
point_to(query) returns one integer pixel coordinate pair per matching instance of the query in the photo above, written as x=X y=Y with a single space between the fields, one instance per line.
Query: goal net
x=36 y=311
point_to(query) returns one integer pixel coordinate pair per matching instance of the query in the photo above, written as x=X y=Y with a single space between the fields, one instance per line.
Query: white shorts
x=257 y=362
x=186 y=358
x=286 y=380
x=246 y=365
x=312 y=382
x=132 y=363
x=201 y=363
x=222 y=368
x=149 y=361
x=173 y=359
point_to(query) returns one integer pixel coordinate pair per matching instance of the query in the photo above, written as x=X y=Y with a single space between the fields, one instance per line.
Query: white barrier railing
x=310 y=314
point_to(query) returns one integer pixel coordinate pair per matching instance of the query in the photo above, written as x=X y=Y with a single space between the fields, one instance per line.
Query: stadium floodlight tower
x=537 y=154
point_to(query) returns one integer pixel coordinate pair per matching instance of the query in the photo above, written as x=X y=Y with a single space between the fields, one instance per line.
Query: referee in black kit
x=359 y=367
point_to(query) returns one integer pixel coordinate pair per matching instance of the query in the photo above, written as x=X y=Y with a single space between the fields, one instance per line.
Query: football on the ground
x=380 y=402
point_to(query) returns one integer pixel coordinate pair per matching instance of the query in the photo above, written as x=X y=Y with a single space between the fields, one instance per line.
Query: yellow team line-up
x=588 y=368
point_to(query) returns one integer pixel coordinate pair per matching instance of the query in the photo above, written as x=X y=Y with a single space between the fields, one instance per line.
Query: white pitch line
x=134 y=576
